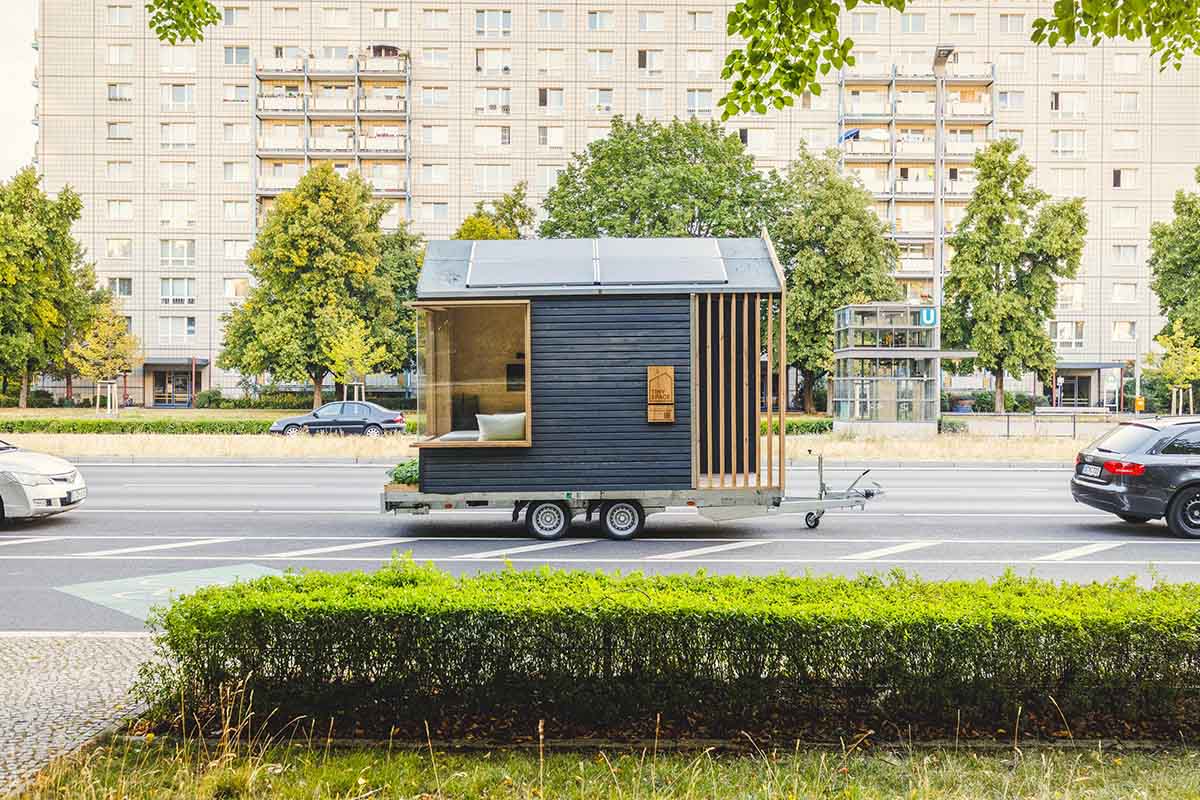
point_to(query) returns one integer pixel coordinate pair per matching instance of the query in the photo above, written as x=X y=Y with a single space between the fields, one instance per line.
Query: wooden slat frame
x=708 y=385
x=746 y=361
x=694 y=392
x=757 y=390
x=782 y=390
x=770 y=377
x=721 y=387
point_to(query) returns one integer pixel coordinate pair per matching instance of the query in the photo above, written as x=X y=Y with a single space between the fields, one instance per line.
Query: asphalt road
x=148 y=531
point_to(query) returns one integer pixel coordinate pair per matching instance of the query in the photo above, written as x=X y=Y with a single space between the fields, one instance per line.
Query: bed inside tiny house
x=601 y=367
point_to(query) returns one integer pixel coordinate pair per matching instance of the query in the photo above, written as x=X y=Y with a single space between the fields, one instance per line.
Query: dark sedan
x=351 y=417
x=1144 y=470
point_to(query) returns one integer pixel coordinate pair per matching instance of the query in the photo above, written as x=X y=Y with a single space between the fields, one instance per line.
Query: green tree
x=482 y=226
x=653 y=179
x=105 y=348
x=401 y=254
x=316 y=265
x=790 y=44
x=1178 y=365
x=1175 y=262
x=40 y=269
x=81 y=301
x=1009 y=250
x=181 y=20
x=834 y=250
x=354 y=354
x=511 y=211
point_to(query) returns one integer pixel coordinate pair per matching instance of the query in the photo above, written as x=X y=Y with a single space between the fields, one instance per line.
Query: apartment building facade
x=177 y=150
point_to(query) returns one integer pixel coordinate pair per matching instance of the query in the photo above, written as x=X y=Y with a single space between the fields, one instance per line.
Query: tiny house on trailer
x=610 y=377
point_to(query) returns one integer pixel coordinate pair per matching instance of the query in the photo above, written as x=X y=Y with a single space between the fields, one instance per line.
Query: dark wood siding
x=589 y=404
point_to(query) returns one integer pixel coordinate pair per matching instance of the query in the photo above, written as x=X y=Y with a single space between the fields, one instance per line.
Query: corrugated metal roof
x=533 y=267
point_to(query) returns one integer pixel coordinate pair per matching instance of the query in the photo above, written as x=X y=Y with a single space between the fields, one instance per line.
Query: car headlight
x=28 y=478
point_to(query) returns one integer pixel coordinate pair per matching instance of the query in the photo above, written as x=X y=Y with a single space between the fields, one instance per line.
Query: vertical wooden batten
x=757 y=390
x=694 y=389
x=770 y=378
x=747 y=361
x=721 y=387
x=782 y=390
x=708 y=387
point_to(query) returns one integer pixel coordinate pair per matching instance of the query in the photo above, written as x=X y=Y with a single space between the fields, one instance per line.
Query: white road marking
x=703 y=551
x=336 y=548
x=225 y=485
x=146 y=548
x=206 y=511
x=1076 y=552
x=799 y=539
x=868 y=555
x=529 y=548
x=31 y=540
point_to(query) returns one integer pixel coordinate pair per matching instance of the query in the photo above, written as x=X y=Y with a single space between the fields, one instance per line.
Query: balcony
x=961 y=108
x=914 y=71
x=867 y=149
x=960 y=187
x=333 y=66
x=868 y=108
x=281 y=103
x=281 y=65
x=281 y=144
x=963 y=149
x=384 y=65
x=915 y=108
x=922 y=149
x=391 y=220
x=917 y=227
x=331 y=104
x=273 y=182
x=389 y=186
x=915 y=266
x=382 y=145
x=332 y=143
x=382 y=104
x=869 y=69
x=914 y=186
x=969 y=72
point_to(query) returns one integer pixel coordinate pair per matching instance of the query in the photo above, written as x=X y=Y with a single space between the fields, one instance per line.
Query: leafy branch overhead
x=181 y=20
x=790 y=44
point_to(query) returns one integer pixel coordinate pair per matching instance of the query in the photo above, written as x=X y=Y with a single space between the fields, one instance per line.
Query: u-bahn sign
x=929 y=316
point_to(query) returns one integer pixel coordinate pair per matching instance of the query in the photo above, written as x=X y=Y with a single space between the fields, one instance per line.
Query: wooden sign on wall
x=660 y=394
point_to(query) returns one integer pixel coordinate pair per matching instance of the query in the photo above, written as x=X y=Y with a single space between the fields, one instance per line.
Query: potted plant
x=406 y=475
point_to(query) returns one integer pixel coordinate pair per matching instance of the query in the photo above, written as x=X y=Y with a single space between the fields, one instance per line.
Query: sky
x=17 y=95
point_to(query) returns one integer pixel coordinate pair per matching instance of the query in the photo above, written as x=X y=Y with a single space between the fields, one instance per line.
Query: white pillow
x=501 y=427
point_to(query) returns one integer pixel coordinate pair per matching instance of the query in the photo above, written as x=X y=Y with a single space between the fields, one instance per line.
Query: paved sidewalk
x=57 y=690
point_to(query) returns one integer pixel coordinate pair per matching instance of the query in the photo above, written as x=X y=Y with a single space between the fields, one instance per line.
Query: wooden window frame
x=435 y=305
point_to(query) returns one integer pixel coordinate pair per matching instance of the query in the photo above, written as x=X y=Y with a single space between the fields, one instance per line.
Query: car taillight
x=399 y=420
x=1124 y=468
x=1078 y=459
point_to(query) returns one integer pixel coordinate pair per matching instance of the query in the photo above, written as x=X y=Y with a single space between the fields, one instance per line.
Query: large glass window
x=473 y=366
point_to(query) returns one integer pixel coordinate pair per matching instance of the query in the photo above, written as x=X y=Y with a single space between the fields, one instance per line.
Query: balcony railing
x=295 y=64
x=960 y=187
x=330 y=65
x=344 y=143
x=280 y=102
x=918 y=265
x=868 y=108
x=383 y=64
x=914 y=227
x=963 y=148
x=914 y=186
x=960 y=108
x=277 y=143
x=915 y=108
x=271 y=181
x=924 y=148
x=382 y=144
x=331 y=103
x=868 y=147
x=388 y=185
x=383 y=103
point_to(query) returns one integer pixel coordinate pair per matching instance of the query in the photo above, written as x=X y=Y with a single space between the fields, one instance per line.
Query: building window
x=912 y=23
x=493 y=61
x=1124 y=330
x=551 y=19
x=237 y=55
x=550 y=62
x=699 y=102
x=233 y=16
x=120 y=55
x=237 y=93
x=177 y=174
x=237 y=288
x=493 y=177
x=120 y=249
x=550 y=101
x=864 y=22
x=1125 y=63
x=435 y=212
x=551 y=136
x=285 y=16
x=120 y=210
x=335 y=17
x=493 y=23
x=1125 y=139
x=235 y=132
x=177 y=59
x=961 y=23
x=601 y=21
x=1070 y=182
x=178 y=96
x=1068 y=144
x=699 y=63
x=1124 y=292
x=120 y=16
x=121 y=287
x=176 y=330
x=1070 y=297
x=1127 y=102
x=650 y=63
x=1124 y=216
x=120 y=92
x=236 y=171
x=651 y=22
x=1016 y=134
x=1010 y=101
x=386 y=17
x=236 y=210
x=652 y=101
x=1068 y=105
x=600 y=101
x=1125 y=255
x=435 y=57
x=493 y=136
x=1067 y=335
x=699 y=21
x=120 y=131
x=1012 y=23
x=1124 y=178
x=1069 y=67
x=435 y=96
x=177 y=253
x=177 y=291
x=547 y=176
x=177 y=213
x=236 y=249
x=435 y=19
x=1012 y=63
x=435 y=134
x=438 y=174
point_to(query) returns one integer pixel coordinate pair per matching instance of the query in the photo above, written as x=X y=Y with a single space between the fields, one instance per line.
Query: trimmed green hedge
x=723 y=654
x=118 y=425
x=796 y=427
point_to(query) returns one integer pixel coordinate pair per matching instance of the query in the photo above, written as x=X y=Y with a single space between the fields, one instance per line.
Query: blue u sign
x=929 y=316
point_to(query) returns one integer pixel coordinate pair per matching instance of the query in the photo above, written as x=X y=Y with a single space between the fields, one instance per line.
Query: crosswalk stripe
x=149 y=547
x=529 y=548
x=703 y=551
x=870 y=555
x=1076 y=552
x=313 y=551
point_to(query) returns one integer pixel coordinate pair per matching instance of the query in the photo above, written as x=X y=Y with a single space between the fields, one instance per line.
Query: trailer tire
x=622 y=519
x=547 y=520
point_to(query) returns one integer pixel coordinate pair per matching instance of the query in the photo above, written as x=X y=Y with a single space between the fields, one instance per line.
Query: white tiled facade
x=504 y=91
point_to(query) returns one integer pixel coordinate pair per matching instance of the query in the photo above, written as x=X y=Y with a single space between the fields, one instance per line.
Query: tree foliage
x=316 y=265
x=790 y=44
x=41 y=274
x=511 y=211
x=181 y=20
x=401 y=254
x=1175 y=262
x=481 y=226
x=106 y=348
x=1179 y=362
x=1010 y=249
x=354 y=354
x=647 y=178
x=835 y=251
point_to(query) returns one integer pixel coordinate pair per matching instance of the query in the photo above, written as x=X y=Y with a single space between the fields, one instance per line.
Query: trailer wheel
x=812 y=519
x=547 y=520
x=622 y=519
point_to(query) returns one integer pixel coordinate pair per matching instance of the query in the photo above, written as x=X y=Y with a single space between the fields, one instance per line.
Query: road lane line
x=31 y=541
x=868 y=555
x=1076 y=552
x=337 y=548
x=703 y=551
x=147 y=548
x=529 y=548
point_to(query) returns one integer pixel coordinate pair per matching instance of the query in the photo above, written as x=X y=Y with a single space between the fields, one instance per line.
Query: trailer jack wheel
x=812 y=519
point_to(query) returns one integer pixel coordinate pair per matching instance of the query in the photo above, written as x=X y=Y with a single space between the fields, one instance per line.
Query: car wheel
x=622 y=519
x=1184 y=514
x=547 y=520
x=293 y=430
x=1134 y=519
x=372 y=431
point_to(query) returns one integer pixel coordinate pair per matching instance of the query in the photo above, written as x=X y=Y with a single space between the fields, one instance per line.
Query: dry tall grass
x=953 y=448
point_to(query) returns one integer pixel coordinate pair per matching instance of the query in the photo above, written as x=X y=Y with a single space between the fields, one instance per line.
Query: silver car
x=34 y=485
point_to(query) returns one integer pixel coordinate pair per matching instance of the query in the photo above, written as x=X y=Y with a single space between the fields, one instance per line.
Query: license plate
x=76 y=495
x=1091 y=470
